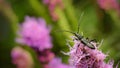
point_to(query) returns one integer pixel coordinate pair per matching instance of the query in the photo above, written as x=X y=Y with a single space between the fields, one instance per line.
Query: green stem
x=7 y=11
x=63 y=22
x=69 y=11
x=115 y=18
x=40 y=9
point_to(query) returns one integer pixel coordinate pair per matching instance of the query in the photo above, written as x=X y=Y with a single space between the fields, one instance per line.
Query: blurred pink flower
x=34 y=33
x=21 y=58
x=45 y=56
x=57 y=63
x=109 y=4
x=82 y=56
x=52 y=4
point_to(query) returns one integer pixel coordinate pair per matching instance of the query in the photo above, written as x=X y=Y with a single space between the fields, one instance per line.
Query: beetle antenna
x=79 y=22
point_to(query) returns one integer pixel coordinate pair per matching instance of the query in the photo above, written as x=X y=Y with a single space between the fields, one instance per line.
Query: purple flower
x=21 y=58
x=57 y=63
x=34 y=33
x=81 y=56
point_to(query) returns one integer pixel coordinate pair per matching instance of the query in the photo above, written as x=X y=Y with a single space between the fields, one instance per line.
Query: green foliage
x=96 y=24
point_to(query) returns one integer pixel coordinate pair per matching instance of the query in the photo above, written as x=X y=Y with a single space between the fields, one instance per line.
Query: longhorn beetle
x=85 y=41
x=79 y=37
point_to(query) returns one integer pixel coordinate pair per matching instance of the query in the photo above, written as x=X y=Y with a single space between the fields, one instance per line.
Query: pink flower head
x=21 y=58
x=52 y=4
x=108 y=4
x=45 y=56
x=34 y=33
x=46 y=1
x=56 y=63
x=81 y=56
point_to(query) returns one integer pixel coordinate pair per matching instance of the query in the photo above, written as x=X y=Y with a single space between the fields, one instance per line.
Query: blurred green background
x=96 y=23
